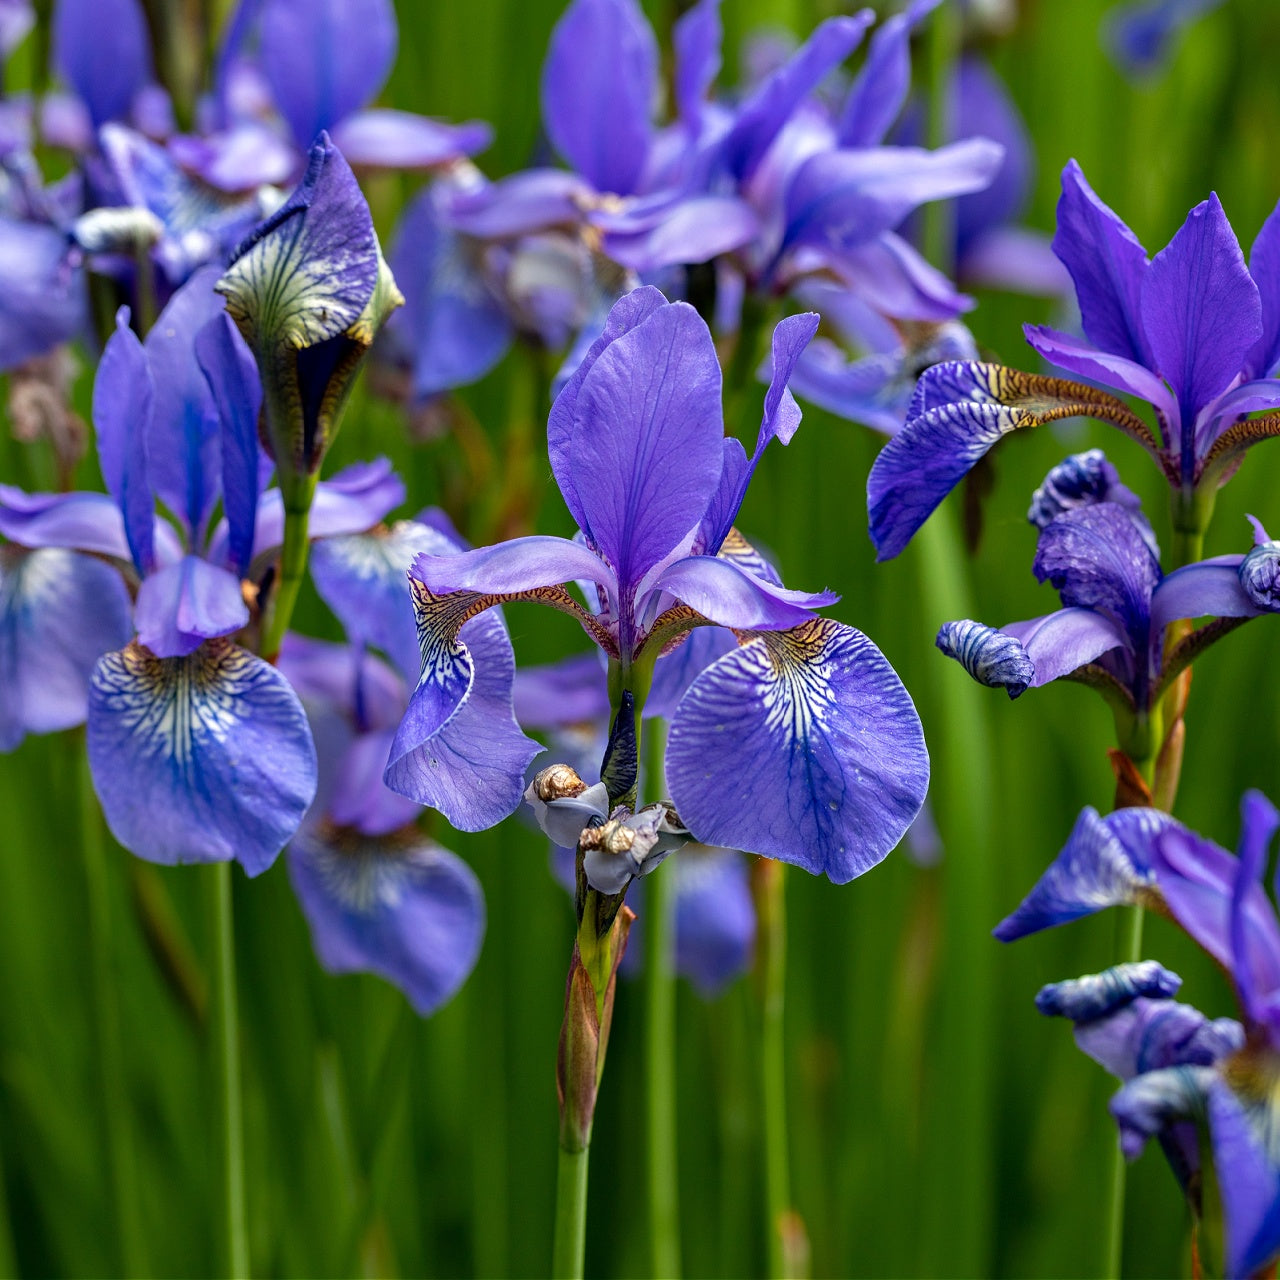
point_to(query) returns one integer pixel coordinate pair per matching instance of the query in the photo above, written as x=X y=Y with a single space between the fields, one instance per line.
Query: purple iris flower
x=291 y=69
x=1144 y=856
x=380 y=896
x=200 y=750
x=800 y=743
x=1193 y=332
x=1098 y=550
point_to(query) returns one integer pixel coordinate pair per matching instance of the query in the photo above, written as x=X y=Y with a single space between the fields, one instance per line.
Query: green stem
x=292 y=570
x=768 y=889
x=116 y=1106
x=1129 y=947
x=227 y=1051
x=145 y=289
x=660 y=1039
x=571 y=1215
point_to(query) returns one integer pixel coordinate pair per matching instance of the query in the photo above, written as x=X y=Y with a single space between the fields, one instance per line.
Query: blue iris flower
x=800 y=743
x=1182 y=1069
x=1193 y=332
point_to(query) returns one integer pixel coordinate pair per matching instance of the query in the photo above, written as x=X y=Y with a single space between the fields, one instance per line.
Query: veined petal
x=992 y=658
x=1200 y=311
x=647 y=439
x=389 y=139
x=59 y=612
x=1098 y=557
x=123 y=396
x=200 y=758
x=184 y=604
x=1105 y=863
x=1079 y=481
x=1106 y=263
x=362 y=577
x=801 y=745
x=728 y=596
x=325 y=59
x=401 y=907
x=630 y=311
x=598 y=86
x=1098 y=995
x=879 y=90
x=763 y=115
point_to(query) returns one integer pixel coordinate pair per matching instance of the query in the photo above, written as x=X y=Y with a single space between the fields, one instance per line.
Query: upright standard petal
x=325 y=59
x=598 y=87
x=59 y=612
x=1264 y=267
x=123 y=396
x=879 y=90
x=401 y=907
x=102 y=49
x=1106 y=263
x=201 y=758
x=801 y=745
x=1200 y=312
x=696 y=38
x=1249 y=1175
x=646 y=445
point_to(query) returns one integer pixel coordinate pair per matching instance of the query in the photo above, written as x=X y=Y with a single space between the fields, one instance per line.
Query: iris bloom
x=1097 y=549
x=800 y=743
x=1193 y=332
x=200 y=750
x=1207 y=1072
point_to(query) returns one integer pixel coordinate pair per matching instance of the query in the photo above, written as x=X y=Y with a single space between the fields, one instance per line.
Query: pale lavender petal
x=571 y=692
x=696 y=39
x=389 y=139
x=532 y=200
x=360 y=687
x=874 y=391
x=847 y=198
x=359 y=798
x=598 y=88
x=325 y=59
x=1199 y=591
x=1015 y=260
x=896 y=280
x=803 y=746
x=42 y=294
x=1106 y=263
x=1153 y=1103
x=1200 y=310
x=59 y=612
x=404 y=909
x=518 y=565
x=715 y=917
x=248 y=156
x=675 y=671
x=646 y=443
x=723 y=593
x=79 y=521
x=1062 y=642
x=879 y=90
x=199 y=759
x=184 y=604
x=694 y=230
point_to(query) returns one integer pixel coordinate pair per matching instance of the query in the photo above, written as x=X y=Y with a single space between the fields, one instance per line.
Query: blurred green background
x=938 y=1125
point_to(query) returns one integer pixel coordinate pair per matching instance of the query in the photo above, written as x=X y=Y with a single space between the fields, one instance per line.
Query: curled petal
x=1106 y=862
x=1260 y=576
x=400 y=906
x=989 y=656
x=1079 y=481
x=202 y=758
x=1099 y=994
x=59 y=612
x=801 y=745
x=1150 y=1103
